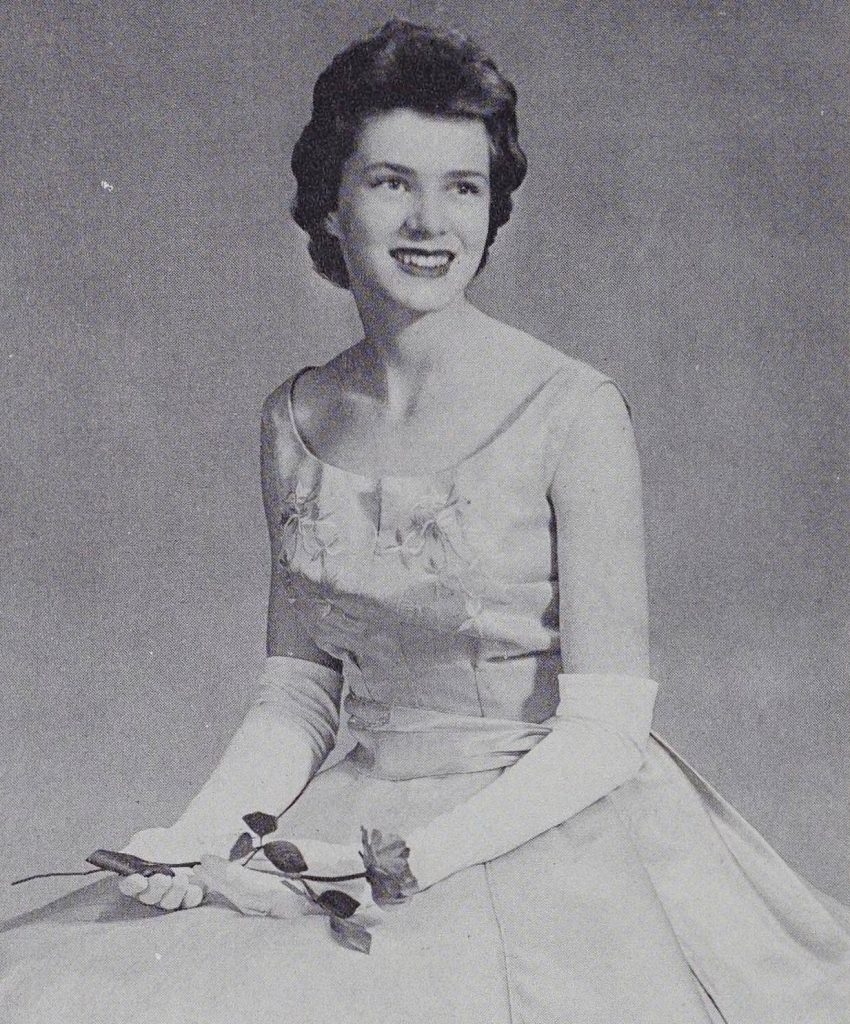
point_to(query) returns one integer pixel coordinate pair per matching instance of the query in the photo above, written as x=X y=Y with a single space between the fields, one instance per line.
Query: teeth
x=428 y=261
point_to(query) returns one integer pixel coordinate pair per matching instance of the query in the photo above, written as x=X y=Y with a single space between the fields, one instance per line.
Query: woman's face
x=414 y=208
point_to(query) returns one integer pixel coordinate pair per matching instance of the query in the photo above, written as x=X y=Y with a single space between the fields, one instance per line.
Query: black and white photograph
x=424 y=571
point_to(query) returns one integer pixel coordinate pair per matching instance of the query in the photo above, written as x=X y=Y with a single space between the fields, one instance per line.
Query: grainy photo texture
x=424 y=578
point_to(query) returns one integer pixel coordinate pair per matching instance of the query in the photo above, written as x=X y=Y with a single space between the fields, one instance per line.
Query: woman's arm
x=596 y=495
x=291 y=724
x=600 y=731
x=285 y=635
x=286 y=735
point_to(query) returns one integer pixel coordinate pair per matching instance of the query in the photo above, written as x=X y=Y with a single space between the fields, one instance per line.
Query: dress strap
x=290 y=409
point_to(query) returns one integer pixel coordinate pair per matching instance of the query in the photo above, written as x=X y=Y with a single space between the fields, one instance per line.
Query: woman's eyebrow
x=385 y=165
x=468 y=174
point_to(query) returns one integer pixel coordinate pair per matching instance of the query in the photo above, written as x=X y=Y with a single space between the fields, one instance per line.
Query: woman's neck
x=401 y=356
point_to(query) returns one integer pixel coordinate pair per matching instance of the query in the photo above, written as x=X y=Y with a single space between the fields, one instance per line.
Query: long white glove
x=288 y=732
x=286 y=735
x=598 y=741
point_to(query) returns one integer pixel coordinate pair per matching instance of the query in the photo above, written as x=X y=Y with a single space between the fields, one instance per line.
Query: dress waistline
x=399 y=742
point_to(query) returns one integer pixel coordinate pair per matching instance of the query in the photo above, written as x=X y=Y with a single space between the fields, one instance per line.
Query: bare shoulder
x=275 y=408
x=312 y=386
x=279 y=442
x=315 y=395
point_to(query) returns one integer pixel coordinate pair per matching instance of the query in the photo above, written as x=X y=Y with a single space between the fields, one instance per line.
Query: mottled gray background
x=681 y=227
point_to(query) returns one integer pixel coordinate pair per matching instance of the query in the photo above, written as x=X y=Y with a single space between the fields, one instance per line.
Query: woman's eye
x=391 y=184
x=468 y=188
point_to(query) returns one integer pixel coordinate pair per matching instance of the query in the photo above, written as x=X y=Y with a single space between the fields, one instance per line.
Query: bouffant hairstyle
x=401 y=66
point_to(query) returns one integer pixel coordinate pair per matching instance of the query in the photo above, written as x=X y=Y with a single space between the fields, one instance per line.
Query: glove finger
x=194 y=897
x=173 y=899
x=288 y=904
x=248 y=890
x=158 y=886
x=132 y=885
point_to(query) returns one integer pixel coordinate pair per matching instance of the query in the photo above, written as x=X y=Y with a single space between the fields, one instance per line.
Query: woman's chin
x=430 y=304
x=424 y=295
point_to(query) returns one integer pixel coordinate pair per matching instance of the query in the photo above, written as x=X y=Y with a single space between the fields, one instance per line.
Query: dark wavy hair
x=410 y=66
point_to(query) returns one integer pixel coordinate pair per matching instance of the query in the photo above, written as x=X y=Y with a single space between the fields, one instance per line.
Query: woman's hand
x=254 y=891
x=181 y=891
x=261 y=890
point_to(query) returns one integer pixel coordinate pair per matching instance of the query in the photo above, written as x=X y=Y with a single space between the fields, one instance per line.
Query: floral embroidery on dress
x=428 y=541
x=474 y=609
x=315 y=594
x=309 y=536
x=304 y=527
x=432 y=541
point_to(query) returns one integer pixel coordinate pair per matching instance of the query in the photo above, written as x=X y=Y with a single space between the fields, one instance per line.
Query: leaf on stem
x=337 y=903
x=285 y=856
x=260 y=823
x=242 y=847
x=351 y=935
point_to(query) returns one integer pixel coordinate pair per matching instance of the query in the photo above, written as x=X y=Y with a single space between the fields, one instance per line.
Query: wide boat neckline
x=500 y=431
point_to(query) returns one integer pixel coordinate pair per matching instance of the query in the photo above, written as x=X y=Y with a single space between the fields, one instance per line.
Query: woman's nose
x=426 y=217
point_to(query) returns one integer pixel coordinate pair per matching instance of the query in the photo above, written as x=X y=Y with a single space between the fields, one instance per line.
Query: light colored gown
x=657 y=904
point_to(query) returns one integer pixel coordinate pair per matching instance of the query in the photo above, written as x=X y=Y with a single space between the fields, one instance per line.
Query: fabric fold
x=409 y=743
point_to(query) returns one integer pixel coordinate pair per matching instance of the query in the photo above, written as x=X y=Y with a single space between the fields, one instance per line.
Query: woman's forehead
x=426 y=142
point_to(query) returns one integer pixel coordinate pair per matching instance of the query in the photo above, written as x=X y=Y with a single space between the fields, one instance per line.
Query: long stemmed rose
x=385 y=869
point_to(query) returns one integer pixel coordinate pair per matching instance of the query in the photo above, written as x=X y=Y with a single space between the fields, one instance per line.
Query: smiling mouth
x=423 y=262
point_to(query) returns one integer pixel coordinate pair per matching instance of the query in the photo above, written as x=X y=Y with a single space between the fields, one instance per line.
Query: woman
x=455 y=519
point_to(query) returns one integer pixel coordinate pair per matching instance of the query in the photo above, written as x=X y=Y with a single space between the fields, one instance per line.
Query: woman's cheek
x=382 y=214
x=475 y=225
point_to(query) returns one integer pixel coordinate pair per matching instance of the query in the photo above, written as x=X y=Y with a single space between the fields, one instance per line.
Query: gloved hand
x=252 y=890
x=183 y=890
x=287 y=733
x=180 y=891
x=260 y=889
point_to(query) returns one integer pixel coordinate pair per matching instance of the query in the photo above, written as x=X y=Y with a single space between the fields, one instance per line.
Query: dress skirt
x=656 y=905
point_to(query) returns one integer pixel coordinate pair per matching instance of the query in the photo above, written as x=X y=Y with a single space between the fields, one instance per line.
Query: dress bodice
x=568 y=883
x=437 y=591
x=569 y=870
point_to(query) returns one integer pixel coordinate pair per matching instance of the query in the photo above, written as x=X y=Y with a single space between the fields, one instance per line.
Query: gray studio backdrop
x=680 y=228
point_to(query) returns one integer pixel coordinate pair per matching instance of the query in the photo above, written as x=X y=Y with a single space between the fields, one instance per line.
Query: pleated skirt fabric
x=656 y=905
